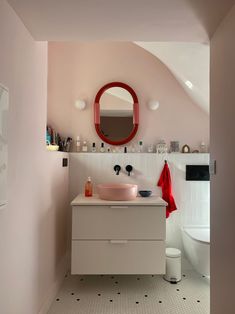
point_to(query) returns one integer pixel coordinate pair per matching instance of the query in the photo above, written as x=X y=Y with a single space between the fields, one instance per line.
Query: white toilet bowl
x=196 y=242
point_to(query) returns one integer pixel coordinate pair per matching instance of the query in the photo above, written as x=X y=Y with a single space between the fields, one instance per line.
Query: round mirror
x=116 y=113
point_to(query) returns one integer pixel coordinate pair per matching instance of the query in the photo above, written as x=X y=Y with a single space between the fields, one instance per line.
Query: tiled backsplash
x=192 y=198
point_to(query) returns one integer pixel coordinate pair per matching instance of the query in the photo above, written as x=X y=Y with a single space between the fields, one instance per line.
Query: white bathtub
x=196 y=242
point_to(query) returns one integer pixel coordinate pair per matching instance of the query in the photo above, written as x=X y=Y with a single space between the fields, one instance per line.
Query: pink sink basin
x=117 y=192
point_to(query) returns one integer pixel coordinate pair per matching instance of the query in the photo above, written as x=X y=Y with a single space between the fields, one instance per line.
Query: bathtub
x=196 y=241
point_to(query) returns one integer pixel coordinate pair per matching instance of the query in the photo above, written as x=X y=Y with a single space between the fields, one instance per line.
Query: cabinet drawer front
x=118 y=257
x=118 y=222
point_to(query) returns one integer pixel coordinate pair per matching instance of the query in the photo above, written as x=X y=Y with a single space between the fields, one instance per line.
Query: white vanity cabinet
x=110 y=237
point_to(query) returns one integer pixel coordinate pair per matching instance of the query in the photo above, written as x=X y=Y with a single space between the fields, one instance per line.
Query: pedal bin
x=173 y=265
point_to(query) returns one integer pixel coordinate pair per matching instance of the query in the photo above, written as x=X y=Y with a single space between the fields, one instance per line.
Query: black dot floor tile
x=149 y=295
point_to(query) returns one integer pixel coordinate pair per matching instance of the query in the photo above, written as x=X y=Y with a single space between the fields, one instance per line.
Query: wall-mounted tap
x=117 y=169
x=129 y=168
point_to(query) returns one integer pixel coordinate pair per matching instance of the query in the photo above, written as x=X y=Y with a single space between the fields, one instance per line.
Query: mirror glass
x=4 y=96
x=116 y=113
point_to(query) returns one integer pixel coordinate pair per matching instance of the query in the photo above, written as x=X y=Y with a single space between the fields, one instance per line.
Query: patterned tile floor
x=132 y=295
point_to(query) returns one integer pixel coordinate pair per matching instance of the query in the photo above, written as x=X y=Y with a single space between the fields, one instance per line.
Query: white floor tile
x=132 y=295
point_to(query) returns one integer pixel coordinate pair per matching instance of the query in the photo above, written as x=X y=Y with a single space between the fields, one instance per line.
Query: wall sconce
x=153 y=105
x=80 y=104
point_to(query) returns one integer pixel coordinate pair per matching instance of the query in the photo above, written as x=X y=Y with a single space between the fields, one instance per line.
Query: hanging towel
x=165 y=183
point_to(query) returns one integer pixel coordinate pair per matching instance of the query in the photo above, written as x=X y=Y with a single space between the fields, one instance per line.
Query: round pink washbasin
x=117 y=192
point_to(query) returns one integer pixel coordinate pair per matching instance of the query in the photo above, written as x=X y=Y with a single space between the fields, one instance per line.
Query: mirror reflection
x=116 y=113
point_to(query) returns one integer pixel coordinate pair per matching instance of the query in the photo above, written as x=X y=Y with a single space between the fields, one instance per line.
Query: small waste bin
x=173 y=265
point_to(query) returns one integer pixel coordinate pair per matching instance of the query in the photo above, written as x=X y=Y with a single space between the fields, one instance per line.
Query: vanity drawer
x=118 y=222
x=118 y=257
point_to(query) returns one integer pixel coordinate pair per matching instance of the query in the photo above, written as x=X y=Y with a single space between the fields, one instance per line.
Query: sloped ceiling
x=126 y=20
x=189 y=63
x=167 y=22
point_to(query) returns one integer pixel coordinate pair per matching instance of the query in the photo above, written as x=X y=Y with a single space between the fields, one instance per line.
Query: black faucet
x=129 y=168
x=117 y=169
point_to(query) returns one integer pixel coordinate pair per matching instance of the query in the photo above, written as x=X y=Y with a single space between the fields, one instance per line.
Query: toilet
x=196 y=241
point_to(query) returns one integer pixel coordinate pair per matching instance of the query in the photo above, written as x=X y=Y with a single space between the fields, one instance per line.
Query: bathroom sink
x=117 y=192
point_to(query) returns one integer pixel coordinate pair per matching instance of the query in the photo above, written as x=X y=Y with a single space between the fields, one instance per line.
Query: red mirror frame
x=135 y=113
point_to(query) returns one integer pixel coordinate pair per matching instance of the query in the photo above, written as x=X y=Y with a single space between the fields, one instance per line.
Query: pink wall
x=33 y=225
x=79 y=70
x=223 y=150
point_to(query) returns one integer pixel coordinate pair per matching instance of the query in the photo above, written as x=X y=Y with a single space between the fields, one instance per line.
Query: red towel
x=165 y=183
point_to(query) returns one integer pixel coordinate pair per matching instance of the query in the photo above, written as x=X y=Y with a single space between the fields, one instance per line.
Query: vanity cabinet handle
x=118 y=241
x=118 y=207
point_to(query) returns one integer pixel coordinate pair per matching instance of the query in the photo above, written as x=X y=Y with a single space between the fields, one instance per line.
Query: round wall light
x=153 y=105
x=80 y=104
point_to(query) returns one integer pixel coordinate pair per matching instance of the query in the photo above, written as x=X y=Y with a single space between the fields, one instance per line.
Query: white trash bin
x=173 y=265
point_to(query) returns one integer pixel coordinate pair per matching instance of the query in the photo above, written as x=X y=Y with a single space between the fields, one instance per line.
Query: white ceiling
x=131 y=20
x=189 y=62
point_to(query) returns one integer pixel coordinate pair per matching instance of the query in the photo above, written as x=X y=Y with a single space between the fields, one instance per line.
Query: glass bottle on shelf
x=84 y=147
x=102 y=149
x=203 y=148
x=78 y=144
x=93 y=148
x=150 y=148
x=140 y=147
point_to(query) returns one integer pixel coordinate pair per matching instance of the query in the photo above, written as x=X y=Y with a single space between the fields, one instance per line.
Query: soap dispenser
x=88 y=187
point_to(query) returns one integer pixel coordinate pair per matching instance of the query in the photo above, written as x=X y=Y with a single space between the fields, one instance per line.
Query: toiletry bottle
x=93 y=148
x=102 y=149
x=84 y=147
x=88 y=187
x=140 y=147
x=203 y=147
x=78 y=144
x=108 y=149
x=133 y=148
x=150 y=148
x=48 y=138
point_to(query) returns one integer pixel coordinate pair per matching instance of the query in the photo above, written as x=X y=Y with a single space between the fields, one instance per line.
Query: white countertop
x=95 y=200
